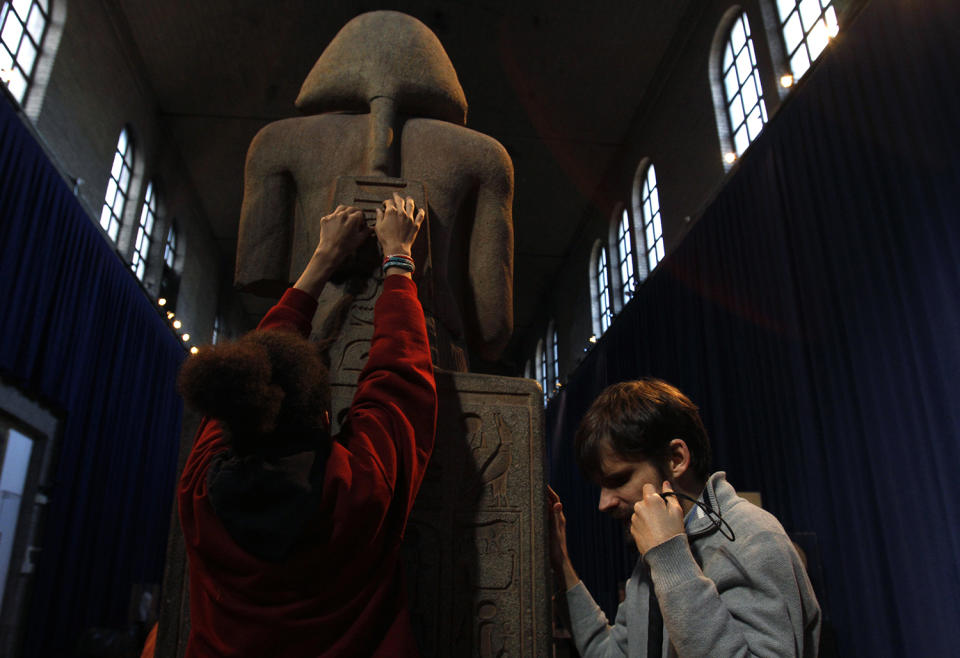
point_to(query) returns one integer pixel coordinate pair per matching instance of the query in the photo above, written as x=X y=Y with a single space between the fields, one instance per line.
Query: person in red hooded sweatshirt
x=293 y=536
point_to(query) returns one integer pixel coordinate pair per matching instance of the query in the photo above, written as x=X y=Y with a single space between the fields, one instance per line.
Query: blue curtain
x=78 y=333
x=813 y=315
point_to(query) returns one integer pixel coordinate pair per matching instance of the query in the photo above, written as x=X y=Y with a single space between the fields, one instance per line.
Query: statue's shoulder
x=485 y=150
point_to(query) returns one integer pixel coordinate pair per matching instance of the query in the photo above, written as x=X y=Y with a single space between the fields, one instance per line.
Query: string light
x=177 y=324
x=194 y=350
x=729 y=157
x=185 y=337
x=169 y=315
x=786 y=81
x=162 y=301
x=592 y=340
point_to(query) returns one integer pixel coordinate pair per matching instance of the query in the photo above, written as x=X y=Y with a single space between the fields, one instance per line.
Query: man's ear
x=678 y=459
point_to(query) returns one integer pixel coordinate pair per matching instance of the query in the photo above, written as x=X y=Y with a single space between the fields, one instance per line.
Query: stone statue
x=386 y=112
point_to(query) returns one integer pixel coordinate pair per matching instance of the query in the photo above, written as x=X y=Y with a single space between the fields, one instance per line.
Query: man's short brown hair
x=639 y=419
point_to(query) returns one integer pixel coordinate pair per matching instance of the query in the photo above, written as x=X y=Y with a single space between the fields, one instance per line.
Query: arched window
x=141 y=248
x=650 y=211
x=170 y=247
x=553 y=359
x=628 y=280
x=808 y=26
x=541 y=360
x=745 y=107
x=605 y=311
x=118 y=186
x=23 y=24
x=170 y=282
x=528 y=369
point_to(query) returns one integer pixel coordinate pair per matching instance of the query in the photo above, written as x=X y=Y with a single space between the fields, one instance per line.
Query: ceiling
x=556 y=82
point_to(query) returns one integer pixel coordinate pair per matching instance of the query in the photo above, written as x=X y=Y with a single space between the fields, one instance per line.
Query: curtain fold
x=78 y=334
x=813 y=315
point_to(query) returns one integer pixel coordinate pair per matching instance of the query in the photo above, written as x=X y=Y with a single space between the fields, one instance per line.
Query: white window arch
x=541 y=365
x=118 y=186
x=737 y=90
x=623 y=239
x=141 y=247
x=553 y=359
x=807 y=27
x=170 y=247
x=647 y=194
x=600 y=289
x=23 y=25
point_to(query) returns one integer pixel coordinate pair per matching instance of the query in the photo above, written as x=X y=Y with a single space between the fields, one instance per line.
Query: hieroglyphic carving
x=482 y=501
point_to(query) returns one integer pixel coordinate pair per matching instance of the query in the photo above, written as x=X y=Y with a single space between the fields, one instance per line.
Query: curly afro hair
x=270 y=389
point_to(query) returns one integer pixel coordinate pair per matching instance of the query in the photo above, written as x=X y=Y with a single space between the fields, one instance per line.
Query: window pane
x=800 y=63
x=21 y=7
x=660 y=250
x=657 y=229
x=35 y=23
x=744 y=67
x=27 y=55
x=124 y=181
x=18 y=85
x=737 y=36
x=11 y=33
x=832 y=26
x=111 y=192
x=755 y=123
x=122 y=142
x=818 y=39
x=749 y=94
x=785 y=7
x=654 y=200
x=809 y=13
x=741 y=141
x=792 y=34
x=649 y=233
x=117 y=166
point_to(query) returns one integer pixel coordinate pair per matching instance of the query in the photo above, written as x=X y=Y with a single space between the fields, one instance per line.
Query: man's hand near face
x=655 y=518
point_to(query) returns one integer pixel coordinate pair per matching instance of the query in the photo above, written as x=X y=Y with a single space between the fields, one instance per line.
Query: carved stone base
x=476 y=545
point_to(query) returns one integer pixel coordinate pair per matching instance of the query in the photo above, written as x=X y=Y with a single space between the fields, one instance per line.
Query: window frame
x=140 y=258
x=111 y=215
x=9 y=11
x=651 y=221
x=827 y=25
x=743 y=82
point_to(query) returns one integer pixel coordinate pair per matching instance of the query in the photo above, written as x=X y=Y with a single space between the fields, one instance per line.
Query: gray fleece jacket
x=748 y=597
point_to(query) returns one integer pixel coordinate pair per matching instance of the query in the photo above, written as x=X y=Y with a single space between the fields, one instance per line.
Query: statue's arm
x=266 y=217
x=491 y=256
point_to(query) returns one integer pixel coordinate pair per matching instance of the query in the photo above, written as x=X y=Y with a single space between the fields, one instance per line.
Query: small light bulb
x=592 y=340
x=169 y=315
x=185 y=337
x=729 y=157
x=177 y=324
x=162 y=301
x=194 y=350
x=786 y=81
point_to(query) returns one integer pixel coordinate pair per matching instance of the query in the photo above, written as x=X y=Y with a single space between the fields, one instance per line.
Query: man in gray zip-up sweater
x=717 y=575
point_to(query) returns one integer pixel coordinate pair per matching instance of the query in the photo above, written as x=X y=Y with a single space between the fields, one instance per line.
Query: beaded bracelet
x=399 y=261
